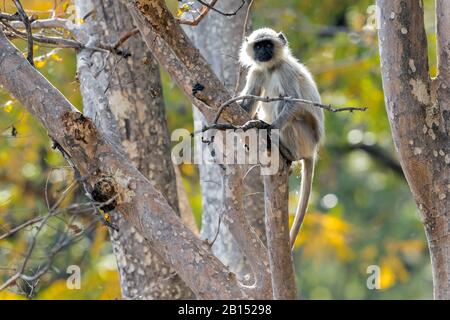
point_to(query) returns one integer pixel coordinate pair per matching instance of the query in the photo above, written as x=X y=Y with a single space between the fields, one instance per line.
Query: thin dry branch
x=227 y=14
x=26 y=22
x=51 y=23
x=9 y=17
x=72 y=43
x=206 y=7
x=76 y=207
x=32 y=244
x=202 y=14
x=327 y=107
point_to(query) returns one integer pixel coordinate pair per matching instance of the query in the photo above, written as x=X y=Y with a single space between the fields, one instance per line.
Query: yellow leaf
x=388 y=277
x=184 y=8
x=392 y=271
x=8 y=106
x=66 y=6
x=4 y=295
x=40 y=63
x=56 y=57
x=188 y=169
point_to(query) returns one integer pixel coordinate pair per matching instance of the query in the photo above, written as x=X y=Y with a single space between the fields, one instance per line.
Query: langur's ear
x=246 y=39
x=282 y=37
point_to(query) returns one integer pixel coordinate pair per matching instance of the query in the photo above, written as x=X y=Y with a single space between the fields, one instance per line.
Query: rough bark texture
x=276 y=195
x=125 y=100
x=109 y=175
x=418 y=110
x=244 y=235
x=219 y=39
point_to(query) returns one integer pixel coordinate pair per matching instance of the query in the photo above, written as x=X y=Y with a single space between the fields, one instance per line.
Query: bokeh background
x=361 y=213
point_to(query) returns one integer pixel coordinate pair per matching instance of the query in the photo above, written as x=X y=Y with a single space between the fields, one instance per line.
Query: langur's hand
x=256 y=124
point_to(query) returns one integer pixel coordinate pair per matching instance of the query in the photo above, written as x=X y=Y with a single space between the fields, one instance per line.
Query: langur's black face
x=263 y=50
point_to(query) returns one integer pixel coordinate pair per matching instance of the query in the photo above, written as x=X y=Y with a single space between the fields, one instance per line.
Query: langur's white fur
x=301 y=125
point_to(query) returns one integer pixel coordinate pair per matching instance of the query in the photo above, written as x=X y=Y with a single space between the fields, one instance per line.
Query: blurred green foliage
x=361 y=213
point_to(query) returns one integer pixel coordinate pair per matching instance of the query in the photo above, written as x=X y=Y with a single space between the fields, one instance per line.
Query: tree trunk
x=219 y=39
x=418 y=109
x=125 y=99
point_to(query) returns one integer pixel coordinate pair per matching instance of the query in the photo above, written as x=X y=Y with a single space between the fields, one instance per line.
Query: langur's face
x=264 y=50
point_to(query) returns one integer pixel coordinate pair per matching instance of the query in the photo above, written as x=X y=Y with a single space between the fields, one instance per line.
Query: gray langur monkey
x=274 y=72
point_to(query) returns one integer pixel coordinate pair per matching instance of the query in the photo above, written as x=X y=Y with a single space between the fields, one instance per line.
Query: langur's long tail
x=305 y=191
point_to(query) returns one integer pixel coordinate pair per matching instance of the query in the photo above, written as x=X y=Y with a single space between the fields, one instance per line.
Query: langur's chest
x=273 y=85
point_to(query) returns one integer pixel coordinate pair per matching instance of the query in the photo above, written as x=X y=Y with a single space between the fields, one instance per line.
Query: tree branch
x=204 y=11
x=276 y=194
x=407 y=87
x=227 y=14
x=109 y=174
x=418 y=126
x=51 y=23
x=10 y=17
x=245 y=236
x=327 y=107
x=66 y=42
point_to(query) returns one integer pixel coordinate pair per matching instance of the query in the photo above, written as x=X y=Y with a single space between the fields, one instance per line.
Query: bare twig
x=206 y=7
x=32 y=244
x=72 y=208
x=53 y=23
x=62 y=243
x=227 y=14
x=62 y=42
x=219 y=222
x=26 y=22
x=125 y=37
x=327 y=107
x=9 y=17
x=70 y=43
x=201 y=14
